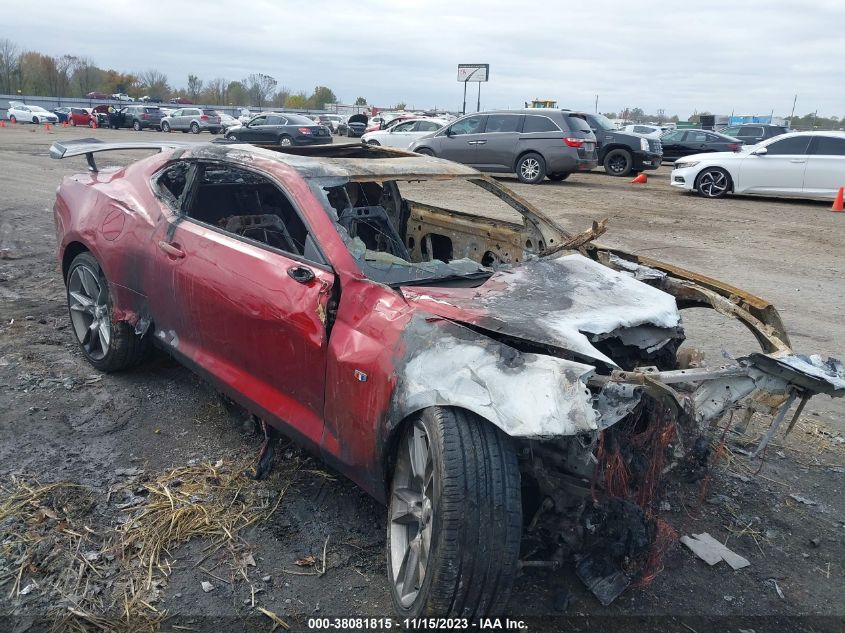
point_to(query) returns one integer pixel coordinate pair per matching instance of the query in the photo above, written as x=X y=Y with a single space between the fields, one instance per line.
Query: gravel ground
x=61 y=421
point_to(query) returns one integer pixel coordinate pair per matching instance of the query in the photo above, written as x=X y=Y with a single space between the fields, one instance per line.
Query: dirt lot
x=61 y=421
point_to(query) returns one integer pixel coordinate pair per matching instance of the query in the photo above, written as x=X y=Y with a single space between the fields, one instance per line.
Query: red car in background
x=443 y=360
x=80 y=116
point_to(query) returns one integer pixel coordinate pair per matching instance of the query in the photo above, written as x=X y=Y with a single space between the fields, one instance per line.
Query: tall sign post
x=476 y=73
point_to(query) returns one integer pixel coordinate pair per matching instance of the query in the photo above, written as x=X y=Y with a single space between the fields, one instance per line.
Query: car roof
x=351 y=161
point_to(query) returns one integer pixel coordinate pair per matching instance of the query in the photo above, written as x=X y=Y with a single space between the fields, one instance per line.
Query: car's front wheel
x=232 y=137
x=373 y=142
x=618 y=162
x=107 y=345
x=165 y=126
x=455 y=517
x=531 y=169
x=424 y=151
x=713 y=182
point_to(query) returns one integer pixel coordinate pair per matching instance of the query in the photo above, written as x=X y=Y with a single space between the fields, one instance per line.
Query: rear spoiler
x=89 y=146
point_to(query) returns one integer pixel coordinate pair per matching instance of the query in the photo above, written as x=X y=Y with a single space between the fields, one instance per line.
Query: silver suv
x=194 y=120
x=534 y=143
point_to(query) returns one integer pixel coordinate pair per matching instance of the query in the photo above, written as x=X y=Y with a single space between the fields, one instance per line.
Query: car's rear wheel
x=713 y=182
x=195 y=128
x=455 y=517
x=424 y=151
x=285 y=140
x=558 y=176
x=107 y=345
x=165 y=126
x=531 y=168
x=136 y=125
x=618 y=162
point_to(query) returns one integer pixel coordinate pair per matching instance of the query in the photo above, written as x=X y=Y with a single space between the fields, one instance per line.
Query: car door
x=400 y=135
x=174 y=119
x=825 y=172
x=672 y=144
x=252 y=131
x=236 y=302
x=777 y=170
x=459 y=143
x=496 y=148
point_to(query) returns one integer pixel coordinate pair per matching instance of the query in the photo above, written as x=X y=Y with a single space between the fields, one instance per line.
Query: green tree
x=194 y=87
x=260 y=87
x=400 y=106
x=320 y=97
x=9 y=66
x=236 y=94
x=360 y=101
x=298 y=101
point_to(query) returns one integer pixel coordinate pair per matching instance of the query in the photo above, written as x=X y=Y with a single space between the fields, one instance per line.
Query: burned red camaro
x=485 y=373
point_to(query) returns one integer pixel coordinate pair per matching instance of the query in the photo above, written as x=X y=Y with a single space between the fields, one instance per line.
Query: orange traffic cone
x=640 y=180
x=64 y=123
x=47 y=127
x=2 y=123
x=94 y=124
x=837 y=203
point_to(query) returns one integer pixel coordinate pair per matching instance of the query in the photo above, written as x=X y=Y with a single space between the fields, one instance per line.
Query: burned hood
x=569 y=303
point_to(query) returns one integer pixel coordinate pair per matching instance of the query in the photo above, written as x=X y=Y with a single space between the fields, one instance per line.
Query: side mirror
x=762 y=151
x=448 y=132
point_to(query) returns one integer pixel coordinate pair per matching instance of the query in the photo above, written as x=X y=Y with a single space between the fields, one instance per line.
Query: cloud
x=743 y=57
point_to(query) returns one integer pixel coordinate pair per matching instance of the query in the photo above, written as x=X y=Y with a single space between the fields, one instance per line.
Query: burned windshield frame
x=371 y=214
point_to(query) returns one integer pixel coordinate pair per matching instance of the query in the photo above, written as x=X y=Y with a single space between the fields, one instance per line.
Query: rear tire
x=285 y=140
x=558 y=177
x=107 y=345
x=618 y=162
x=531 y=168
x=136 y=125
x=195 y=129
x=455 y=517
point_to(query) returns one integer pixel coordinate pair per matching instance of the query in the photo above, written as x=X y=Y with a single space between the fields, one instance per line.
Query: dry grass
x=111 y=580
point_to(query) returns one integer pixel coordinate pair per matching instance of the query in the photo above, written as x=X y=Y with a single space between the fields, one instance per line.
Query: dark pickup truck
x=623 y=153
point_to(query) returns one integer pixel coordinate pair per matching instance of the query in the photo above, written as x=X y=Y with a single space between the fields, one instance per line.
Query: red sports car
x=482 y=375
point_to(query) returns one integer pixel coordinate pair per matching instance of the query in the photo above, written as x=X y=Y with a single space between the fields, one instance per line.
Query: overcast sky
x=745 y=56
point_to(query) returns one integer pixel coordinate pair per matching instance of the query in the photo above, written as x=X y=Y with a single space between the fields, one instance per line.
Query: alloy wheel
x=89 y=311
x=617 y=164
x=411 y=514
x=713 y=183
x=530 y=168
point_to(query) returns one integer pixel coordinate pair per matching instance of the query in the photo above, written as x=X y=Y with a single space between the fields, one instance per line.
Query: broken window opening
x=250 y=206
x=442 y=230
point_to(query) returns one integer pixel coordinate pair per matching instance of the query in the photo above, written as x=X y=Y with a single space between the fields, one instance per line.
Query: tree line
x=33 y=73
x=810 y=121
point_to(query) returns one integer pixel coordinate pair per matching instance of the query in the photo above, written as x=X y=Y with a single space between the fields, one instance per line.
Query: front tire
x=373 y=142
x=618 y=162
x=107 y=345
x=165 y=127
x=531 y=169
x=713 y=182
x=455 y=517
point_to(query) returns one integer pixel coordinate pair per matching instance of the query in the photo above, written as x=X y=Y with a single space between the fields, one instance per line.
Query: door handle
x=173 y=250
x=301 y=274
x=798 y=160
x=480 y=142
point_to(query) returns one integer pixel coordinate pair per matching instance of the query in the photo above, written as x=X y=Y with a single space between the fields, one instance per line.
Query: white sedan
x=799 y=165
x=403 y=134
x=648 y=131
x=22 y=113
